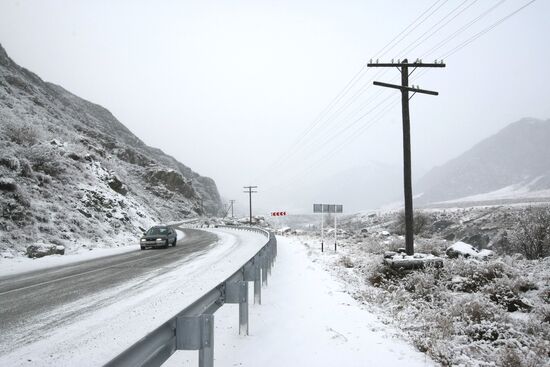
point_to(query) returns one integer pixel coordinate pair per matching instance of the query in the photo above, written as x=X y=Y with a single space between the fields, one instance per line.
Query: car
x=158 y=236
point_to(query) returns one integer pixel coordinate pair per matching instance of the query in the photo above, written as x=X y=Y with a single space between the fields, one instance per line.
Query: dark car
x=159 y=236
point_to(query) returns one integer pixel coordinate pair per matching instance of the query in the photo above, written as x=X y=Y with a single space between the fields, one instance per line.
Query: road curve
x=24 y=297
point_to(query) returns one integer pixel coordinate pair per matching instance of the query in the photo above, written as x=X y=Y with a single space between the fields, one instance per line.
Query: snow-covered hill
x=512 y=164
x=71 y=174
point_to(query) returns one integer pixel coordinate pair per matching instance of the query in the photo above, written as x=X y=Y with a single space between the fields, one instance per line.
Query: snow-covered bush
x=531 y=237
x=420 y=222
x=46 y=159
x=25 y=135
x=10 y=162
x=492 y=312
x=26 y=169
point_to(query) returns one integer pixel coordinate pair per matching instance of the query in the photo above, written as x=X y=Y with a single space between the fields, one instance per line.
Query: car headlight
x=143 y=240
x=160 y=239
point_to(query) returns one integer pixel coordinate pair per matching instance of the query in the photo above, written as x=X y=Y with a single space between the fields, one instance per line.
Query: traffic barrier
x=193 y=327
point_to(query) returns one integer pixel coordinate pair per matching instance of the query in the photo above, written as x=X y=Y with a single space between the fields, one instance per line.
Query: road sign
x=278 y=214
x=328 y=208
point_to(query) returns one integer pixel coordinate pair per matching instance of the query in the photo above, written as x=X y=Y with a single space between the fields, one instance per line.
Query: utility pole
x=232 y=202
x=228 y=207
x=250 y=191
x=403 y=67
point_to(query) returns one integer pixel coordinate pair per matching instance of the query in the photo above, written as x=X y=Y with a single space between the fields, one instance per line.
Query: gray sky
x=228 y=87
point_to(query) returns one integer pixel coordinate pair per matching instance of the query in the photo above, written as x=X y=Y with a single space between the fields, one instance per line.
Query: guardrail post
x=257 y=283
x=243 y=313
x=237 y=292
x=264 y=268
x=197 y=333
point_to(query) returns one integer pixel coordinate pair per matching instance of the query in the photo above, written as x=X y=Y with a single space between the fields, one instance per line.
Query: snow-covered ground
x=306 y=319
x=94 y=338
x=518 y=191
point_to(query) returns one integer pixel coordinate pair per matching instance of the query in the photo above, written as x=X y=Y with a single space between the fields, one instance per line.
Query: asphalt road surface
x=41 y=295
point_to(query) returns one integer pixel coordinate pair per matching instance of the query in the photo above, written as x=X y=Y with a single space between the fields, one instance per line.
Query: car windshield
x=157 y=231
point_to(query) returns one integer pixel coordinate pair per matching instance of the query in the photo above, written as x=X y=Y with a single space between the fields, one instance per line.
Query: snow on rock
x=466 y=250
x=42 y=249
x=401 y=260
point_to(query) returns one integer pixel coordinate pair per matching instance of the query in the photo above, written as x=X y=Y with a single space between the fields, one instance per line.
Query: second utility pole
x=232 y=203
x=250 y=192
x=403 y=67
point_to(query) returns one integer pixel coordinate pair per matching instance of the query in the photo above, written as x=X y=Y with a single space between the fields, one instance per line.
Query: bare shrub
x=430 y=246
x=474 y=275
x=45 y=159
x=25 y=135
x=379 y=274
x=531 y=237
x=26 y=169
x=10 y=162
x=346 y=262
x=475 y=309
x=420 y=222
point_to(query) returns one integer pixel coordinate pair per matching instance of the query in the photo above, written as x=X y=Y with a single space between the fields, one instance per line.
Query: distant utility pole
x=227 y=208
x=232 y=202
x=403 y=67
x=250 y=191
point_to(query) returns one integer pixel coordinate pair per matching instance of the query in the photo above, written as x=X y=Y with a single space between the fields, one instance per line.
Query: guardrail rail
x=193 y=327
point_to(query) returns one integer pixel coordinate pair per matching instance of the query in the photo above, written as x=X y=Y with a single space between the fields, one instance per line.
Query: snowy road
x=25 y=296
x=88 y=312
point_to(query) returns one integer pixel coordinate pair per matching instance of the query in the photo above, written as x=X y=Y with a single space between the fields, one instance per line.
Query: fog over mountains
x=514 y=163
x=70 y=172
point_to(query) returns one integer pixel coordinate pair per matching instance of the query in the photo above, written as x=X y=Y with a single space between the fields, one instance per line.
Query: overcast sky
x=227 y=87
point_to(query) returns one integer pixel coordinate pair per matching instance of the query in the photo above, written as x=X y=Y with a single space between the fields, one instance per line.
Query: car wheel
x=166 y=244
x=175 y=240
x=143 y=247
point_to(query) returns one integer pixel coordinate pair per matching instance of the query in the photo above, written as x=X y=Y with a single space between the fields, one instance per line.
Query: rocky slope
x=71 y=174
x=513 y=162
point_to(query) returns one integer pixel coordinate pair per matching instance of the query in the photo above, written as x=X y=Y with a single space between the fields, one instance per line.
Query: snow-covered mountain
x=512 y=164
x=71 y=173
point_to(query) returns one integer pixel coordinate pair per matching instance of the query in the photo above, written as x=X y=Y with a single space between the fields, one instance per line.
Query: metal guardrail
x=193 y=327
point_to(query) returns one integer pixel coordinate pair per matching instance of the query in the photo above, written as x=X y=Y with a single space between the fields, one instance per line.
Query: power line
x=422 y=39
x=330 y=154
x=352 y=83
x=463 y=28
x=380 y=54
x=485 y=30
x=415 y=27
x=338 y=148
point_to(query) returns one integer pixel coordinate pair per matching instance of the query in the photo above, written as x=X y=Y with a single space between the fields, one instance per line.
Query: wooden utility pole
x=250 y=191
x=228 y=207
x=403 y=67
x=232 y=203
